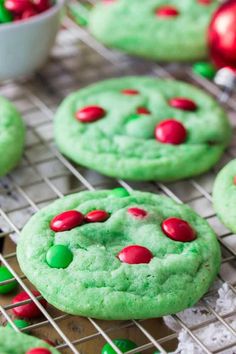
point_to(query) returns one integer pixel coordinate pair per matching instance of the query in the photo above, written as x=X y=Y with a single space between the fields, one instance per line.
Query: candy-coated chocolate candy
x=234 y=183
x=17 y=6
x=119 y=192
x=41 y=5
x=204 y=2
x=66 y=221
x=90 y=114
x=59 y=256
x=20 y=324
x=178 y=230
x=39 y=351
x=183 y=103
x=143 y=110
x=5 y=15
x=124 y=345
x=170 y=131
x=135 y=255
x=28 y=13
x=29 y=310
x=204 y=69
x=96 y=216
x=130 y=92
x=137 y=213
x=167 y=11
x=5 y=274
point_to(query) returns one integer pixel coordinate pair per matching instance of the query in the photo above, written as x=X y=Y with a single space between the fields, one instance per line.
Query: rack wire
x=45 y=175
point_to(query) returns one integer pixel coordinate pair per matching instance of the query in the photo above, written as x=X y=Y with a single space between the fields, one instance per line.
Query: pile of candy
x=16 y=10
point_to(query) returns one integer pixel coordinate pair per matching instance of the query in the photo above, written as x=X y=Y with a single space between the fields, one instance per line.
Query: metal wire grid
x=45 y=175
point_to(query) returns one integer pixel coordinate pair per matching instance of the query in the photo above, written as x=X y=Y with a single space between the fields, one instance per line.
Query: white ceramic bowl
x=25 y=45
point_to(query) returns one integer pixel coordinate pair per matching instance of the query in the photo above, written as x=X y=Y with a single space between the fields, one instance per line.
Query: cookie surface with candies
x=142 y=128
x=157 y=29
x=115 y=254
x=20 y=343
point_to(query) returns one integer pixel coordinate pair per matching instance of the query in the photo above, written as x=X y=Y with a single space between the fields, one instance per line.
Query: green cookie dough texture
x=224 y=195
x=133 y=27
x=12 y=136
x=97 y=283
x=122 y=144
x=19 y=343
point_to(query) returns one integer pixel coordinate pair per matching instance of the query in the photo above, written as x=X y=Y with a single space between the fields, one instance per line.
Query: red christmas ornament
x=66 y=221
x=135 y=255
x=222 y=35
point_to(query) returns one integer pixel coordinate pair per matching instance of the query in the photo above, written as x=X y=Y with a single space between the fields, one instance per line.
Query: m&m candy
x=124 y=345
x=5 y=274
x=16 y=10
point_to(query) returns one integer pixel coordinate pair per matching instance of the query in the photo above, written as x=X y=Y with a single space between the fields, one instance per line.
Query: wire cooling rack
x=45 y=175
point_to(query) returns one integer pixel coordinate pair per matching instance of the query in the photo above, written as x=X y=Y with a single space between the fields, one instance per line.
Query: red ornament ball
x=178 y=230
x=222 y=35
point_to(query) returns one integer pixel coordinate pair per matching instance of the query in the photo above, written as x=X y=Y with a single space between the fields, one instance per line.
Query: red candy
x=90 y=114
x=178 y=230
x=170 y=131
x=183 y=103
x=135 y=255
x=17 y=6
x=142 y=110
x=205 y=2
x=137 y=213
x=28 y=13
x=130 y=92
x=39 y=351
x=41 y=5
x=96 y=216
x=235 y=180
x=66 y=221
x=29 y=310
x=167 y=11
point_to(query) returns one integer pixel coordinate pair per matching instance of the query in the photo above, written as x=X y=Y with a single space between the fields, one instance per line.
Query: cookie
x=163 y=30
x=12 y=136
x=19 y=343
x=142 y=128
x=113 y=255
x=224 y=195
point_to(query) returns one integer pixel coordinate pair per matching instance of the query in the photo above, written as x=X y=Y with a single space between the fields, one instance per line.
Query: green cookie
x=122 y=143
x=142 y=27
x=224 y=195
x=124 y=266
x=19 y=343
x=12 y=136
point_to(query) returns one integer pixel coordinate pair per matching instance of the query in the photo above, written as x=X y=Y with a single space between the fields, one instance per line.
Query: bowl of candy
x=28 y=30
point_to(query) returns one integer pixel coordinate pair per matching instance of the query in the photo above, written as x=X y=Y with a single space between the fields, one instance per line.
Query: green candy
x=123 y=344
x=19 y=324
x=204 y=69
x=59 y=256
x=5 y=15
x=119 y=192
x=5 y=274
